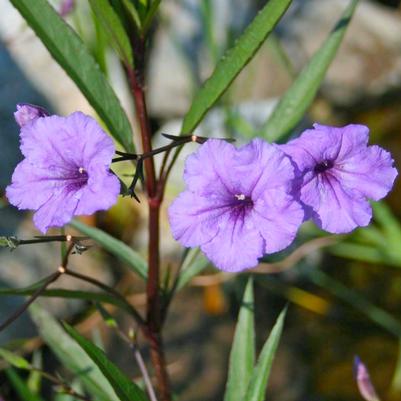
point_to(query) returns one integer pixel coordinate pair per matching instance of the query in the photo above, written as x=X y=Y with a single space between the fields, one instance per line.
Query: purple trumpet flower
x=337 y=172
x=65 y=171
x=237 y=204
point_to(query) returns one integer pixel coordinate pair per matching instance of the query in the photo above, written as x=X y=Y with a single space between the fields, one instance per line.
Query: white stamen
x=81 y=170
x=240 y=197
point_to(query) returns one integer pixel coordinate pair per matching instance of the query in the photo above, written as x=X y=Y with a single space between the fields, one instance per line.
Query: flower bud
x=27 y=113
x=66 y=7
x=365 y=385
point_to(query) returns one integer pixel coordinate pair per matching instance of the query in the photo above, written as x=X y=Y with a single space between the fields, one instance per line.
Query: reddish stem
x=154 y=308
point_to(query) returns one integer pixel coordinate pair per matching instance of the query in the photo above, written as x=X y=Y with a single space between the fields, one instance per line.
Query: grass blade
x=124 y=387
x=300 y=95
x=70 y=355
x=234 y=61
x=115 y=247
x=73 y=56
x=260 y=376
x=242 y=356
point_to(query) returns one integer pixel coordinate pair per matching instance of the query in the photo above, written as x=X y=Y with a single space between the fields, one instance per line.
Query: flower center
x=242 y=200
x=323 y=166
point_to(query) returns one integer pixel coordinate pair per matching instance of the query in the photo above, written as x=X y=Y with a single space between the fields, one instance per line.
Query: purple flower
x=337 y=172
x=66 y=7
x=27 y=113
x=237 y=205
x=363 y=381
x=65 y=171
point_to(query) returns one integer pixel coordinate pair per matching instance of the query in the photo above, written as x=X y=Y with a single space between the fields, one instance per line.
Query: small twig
x=131 y=341
x=67 y=389
x=270 y=268
x=14 y=242
x=292 y=259
x=50 y=279
x=138 y=318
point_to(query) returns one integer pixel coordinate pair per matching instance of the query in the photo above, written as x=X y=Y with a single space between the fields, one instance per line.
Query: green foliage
x=114 y=246
x=115 y=30
x=67 y=294
x=379 y=243
x=20 y=386
x=193 y=264
x=242 y=356
x=260 y=376
x=247 y=381
x=73 y=56
x=233 y=62
x=124 y=387
x=14 y=359
x=377 y=315
x=71 y=356
x=297 y=99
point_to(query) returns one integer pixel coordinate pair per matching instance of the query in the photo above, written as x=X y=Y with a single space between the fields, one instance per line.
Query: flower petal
x=72 y=141
x=370 y=171
x=195 y=219
x=337 y=209
x=277 y=217
x=100 y=193
x=32 y=186
x=261 y=166
x=237 y=245
x=58 y=210
x=207 y=170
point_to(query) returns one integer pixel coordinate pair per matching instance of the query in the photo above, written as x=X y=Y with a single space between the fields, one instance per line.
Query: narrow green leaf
x=107 y=318
x=150 y=15
x=300 y=95
x=68 y=294
x=132 y=11
x=389 y=223
x=14 y=359
x=70 y=355
x=260 y=376
x=378 y=315
x=20 y=386
x=124 y=387
x=194 y=263
x=114 y=246
x=242 y=356
x=71 y=53
x=364 y=253
x=34 y=381
x=234 y=61
x=115 y=30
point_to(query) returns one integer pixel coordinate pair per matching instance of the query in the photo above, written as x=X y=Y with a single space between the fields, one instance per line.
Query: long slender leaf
x=378 y=315
x=114 y=28
x=72 y=55
x=260 y=376
x=194 y=263
x=242 y=356
x=300 y=95
x=71 y=356
x=20 y=386
x=234 y=61
x=365 y=253
x=114 y=246
x=62 y=293
x=14 y=359
x=124 y=387
x=133 y=12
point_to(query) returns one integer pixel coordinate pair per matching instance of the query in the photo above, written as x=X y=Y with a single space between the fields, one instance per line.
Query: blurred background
x=344 y=292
